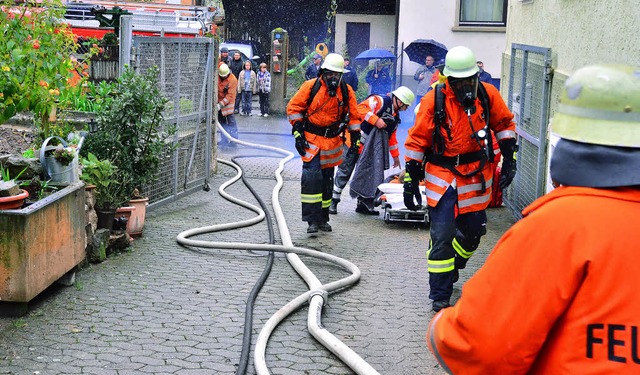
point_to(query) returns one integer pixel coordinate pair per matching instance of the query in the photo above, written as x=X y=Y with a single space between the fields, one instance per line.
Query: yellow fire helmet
x=600 y=104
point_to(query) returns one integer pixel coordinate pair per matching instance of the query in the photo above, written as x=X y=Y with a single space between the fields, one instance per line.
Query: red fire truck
x=96 y=18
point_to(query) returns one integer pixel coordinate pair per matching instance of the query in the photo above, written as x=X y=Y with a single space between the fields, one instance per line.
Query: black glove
x=355 y=141
x=411 y=189
x=301 y=142
x=508 y=147
x=390 y=121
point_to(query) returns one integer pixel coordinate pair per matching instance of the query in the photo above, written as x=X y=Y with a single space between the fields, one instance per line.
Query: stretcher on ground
x=392 y=202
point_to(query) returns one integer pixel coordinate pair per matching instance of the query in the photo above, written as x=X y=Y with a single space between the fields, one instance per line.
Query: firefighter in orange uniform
x=226 y=99
x=459 y=171
x=320 y=112
x=558 y=294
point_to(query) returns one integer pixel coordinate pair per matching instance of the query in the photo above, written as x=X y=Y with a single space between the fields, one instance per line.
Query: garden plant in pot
x=11 y=196
x=111 y=191
x=132 y=134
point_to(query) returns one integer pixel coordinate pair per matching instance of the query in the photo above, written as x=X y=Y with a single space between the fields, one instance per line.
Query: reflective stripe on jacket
x=420 y=139
x=557 y=295
x=374 y=107
x=227 y=93
x=324 y=111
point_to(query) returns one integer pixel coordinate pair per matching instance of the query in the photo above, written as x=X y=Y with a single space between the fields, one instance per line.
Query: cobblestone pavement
x=165 y=309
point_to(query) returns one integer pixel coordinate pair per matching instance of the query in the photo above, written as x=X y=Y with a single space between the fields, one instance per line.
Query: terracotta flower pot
x=136 y=221
x=126 y=213
x=14 y=201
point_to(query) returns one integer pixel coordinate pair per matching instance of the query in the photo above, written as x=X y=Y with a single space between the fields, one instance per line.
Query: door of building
x=358 y=39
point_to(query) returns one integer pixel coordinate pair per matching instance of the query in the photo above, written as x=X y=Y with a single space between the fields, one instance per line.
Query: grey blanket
x=369 y=171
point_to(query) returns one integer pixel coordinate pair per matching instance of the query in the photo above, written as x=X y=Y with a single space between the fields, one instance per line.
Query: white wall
x=383 y=29
x=578 y=32
x=435 y=19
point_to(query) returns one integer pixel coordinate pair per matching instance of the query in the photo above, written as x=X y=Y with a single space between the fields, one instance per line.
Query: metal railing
x=529 y=91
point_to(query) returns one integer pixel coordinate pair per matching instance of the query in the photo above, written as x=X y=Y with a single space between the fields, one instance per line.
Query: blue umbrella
x=419 y=49
x=375 y=53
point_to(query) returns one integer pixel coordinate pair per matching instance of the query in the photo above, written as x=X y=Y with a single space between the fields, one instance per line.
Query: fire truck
x=96 y=18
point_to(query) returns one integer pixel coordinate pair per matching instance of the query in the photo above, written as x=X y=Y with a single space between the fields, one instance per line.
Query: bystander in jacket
x=264 y=88
x=247 y=86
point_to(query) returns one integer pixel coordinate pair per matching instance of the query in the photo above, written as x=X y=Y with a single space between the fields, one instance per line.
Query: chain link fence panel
x=186 y=79
x=528 y=98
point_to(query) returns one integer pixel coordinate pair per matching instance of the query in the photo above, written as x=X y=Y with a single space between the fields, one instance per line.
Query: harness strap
x=454 y=161
x=331 y=131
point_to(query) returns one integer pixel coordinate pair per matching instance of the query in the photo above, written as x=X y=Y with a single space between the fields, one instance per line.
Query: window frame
x=499 y=26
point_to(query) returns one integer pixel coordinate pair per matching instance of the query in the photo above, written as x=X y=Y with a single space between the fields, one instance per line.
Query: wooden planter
x=40 y=244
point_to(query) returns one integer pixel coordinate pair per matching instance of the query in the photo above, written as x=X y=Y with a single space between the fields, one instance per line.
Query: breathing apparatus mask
x=466 y=91
x=332 y=80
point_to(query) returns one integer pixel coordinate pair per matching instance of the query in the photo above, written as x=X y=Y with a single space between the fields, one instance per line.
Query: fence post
x=126 y=36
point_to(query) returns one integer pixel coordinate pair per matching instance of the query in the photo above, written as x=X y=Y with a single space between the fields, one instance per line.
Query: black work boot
x=333 y=209
x=325 y=227
x=439 y=305
x=362 y=208
x=313 y=228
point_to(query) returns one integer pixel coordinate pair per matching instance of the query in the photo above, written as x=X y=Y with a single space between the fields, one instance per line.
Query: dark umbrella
x=419 y=49
x=375 y=53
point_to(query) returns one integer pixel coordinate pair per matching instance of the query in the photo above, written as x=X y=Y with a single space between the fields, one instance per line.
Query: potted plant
x=111 y=188
x=11 y=196
x=64 y=155
x=60 y=162
x=132 y=134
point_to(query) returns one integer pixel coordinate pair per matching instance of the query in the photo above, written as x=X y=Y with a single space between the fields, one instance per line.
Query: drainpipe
x=395 y=48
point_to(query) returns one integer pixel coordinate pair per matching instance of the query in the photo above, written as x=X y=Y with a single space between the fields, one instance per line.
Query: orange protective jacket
x=557 y=295
x=420 y=139
x=324 y=111
x=227 y=93
x=368 y=109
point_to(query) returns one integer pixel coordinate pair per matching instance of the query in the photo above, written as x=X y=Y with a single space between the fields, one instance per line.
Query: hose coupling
x=319 y=292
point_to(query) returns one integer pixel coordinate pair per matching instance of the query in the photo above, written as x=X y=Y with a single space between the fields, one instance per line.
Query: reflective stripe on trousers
x=343 y=174
x=315 y=192
x=453 y=241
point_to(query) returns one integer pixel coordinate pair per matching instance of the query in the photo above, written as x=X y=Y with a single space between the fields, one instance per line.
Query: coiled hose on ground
x=318 y=292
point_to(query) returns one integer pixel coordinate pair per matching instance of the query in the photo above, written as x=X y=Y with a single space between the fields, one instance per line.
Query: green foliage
x=35 y=57
x=185 y=106
x=110 y=39
x=29 y=153
x=363 y=87
x=6 y=175
x=131 y=131
x=90 y=98
x=45 y=188
x=111 y=184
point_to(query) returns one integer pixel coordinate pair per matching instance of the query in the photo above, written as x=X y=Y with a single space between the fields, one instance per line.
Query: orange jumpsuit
x=227 y=93
x=457 y=201
x=323 y=153
x=369 y=109
x=557 y=295
x=470 y=195
x=323 y=111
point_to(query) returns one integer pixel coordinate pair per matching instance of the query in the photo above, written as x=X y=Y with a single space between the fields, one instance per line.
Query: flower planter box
x=39 y=245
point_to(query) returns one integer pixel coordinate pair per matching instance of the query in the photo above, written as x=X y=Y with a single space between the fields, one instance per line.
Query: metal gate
x=185 y=77
x=530 y=77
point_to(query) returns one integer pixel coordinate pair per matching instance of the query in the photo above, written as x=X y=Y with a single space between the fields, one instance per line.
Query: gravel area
x=14 y=140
